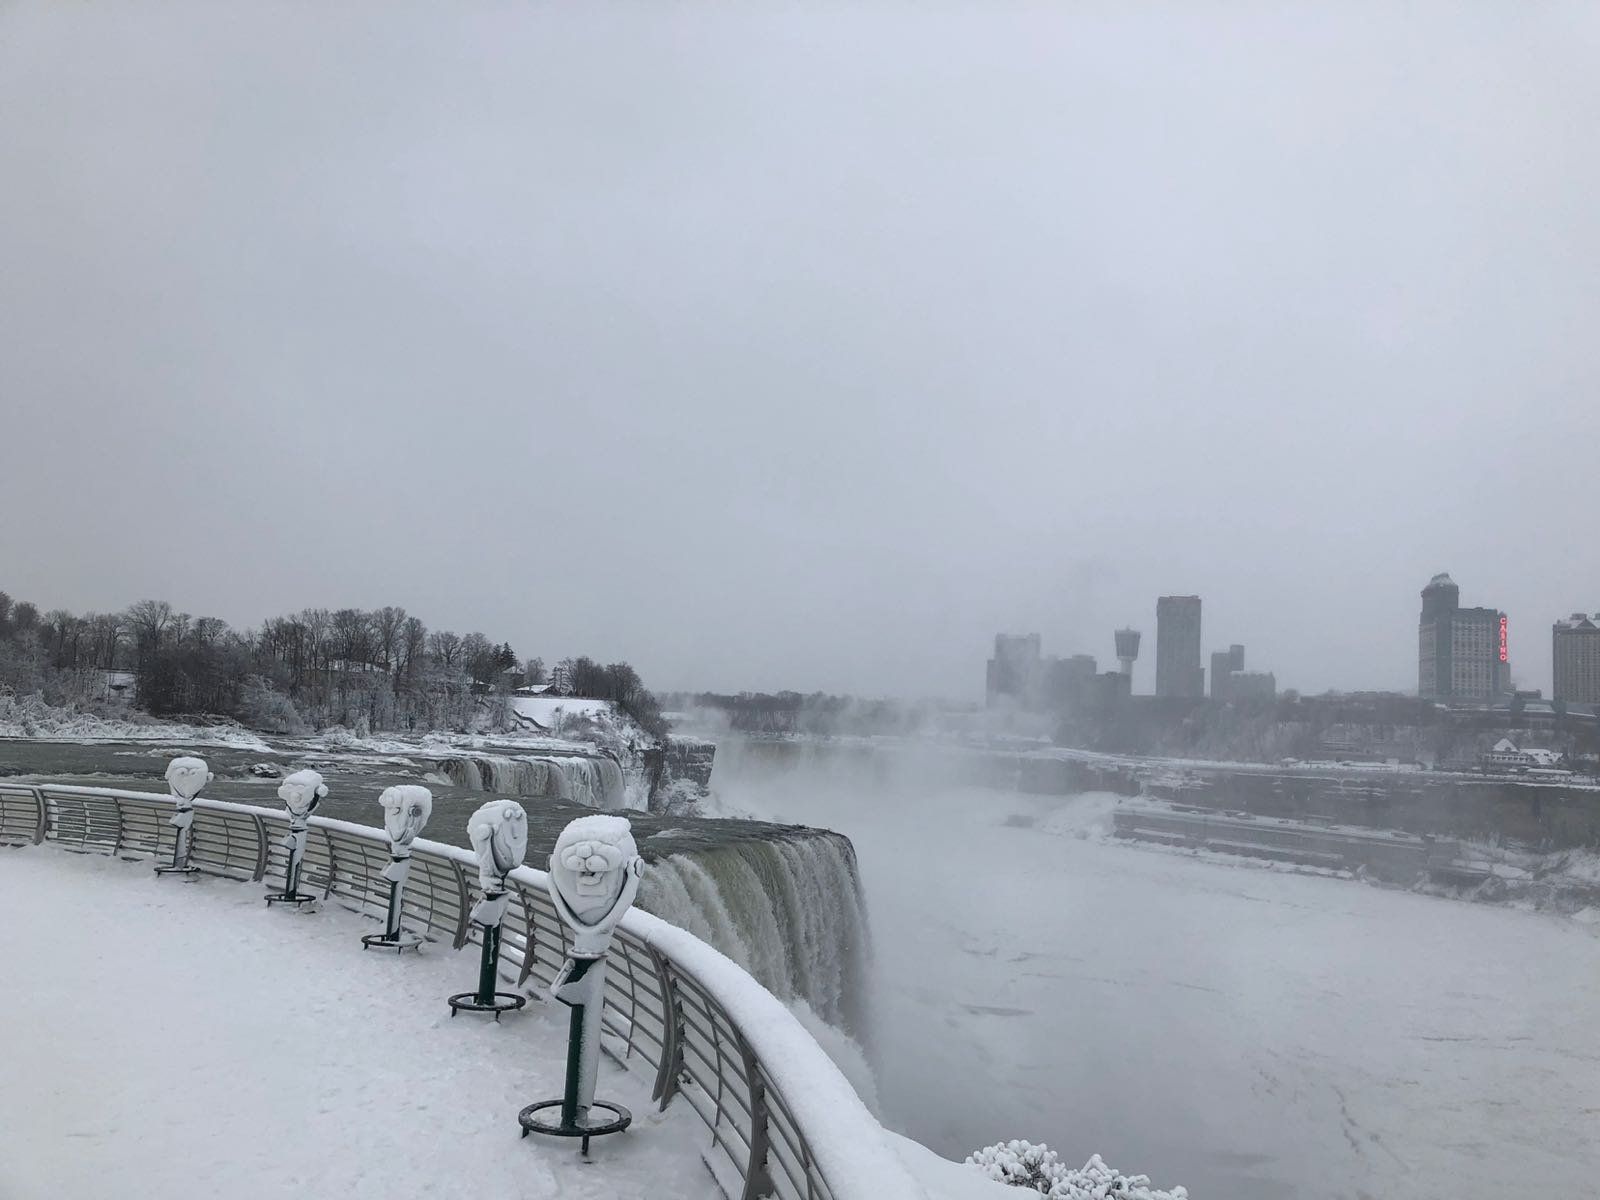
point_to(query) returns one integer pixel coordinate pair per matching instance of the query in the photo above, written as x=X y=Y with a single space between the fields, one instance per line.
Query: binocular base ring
x=502 y=1002
x=400 y=942
x=621 y=1118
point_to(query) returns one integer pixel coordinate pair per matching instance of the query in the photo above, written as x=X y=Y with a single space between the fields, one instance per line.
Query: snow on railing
x=783 y=1120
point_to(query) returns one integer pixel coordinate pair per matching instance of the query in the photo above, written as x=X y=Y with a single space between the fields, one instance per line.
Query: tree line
x=376 y=669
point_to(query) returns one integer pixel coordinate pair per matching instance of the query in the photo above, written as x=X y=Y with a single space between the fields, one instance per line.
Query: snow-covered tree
x=1040 y=1169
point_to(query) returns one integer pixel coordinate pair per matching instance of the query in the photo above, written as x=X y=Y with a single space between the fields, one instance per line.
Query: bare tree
x=413 y=644
x=208 y=631
x=105 y=635
x=479 y=655
x=59 y=633
x=352 y=635
x=149 y=621
x=24 y=617
x=445 y=646
x=387 y=622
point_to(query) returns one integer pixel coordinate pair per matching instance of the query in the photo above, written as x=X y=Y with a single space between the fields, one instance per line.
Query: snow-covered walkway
x=162 y=1038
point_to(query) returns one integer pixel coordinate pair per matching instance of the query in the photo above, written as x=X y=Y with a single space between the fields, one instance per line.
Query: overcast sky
x=808 y=346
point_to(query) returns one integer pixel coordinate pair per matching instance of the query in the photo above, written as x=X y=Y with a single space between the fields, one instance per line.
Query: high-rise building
x=1178 y=669
x=1225 y=666
x=1219 y=674
x=1576 y=651
x=1015 y=671
x=1461 y=652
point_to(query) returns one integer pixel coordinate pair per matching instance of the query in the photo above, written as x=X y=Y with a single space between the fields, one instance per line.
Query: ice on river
x=1247 y=1032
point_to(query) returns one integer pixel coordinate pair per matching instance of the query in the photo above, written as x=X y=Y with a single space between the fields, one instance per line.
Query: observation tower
x=1127 y=649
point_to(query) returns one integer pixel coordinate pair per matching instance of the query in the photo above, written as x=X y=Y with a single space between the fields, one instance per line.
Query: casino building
x=1461 y=652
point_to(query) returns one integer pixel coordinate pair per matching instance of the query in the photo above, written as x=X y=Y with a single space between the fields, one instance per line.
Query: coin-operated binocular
x=406 y=808
x=185 y=777
x=499 y=835
x=300 y=793
x=594 y=876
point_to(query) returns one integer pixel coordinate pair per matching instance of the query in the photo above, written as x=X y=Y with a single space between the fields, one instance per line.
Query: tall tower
x=1440 y=600
x=1127 y=649
x=1178 y=669
x=1461 y=652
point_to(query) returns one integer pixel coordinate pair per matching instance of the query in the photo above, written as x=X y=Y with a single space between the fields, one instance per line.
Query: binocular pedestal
x=486 y=998
x=393 y=937
x=291 y=893
x=582 y=986
x=183 y=818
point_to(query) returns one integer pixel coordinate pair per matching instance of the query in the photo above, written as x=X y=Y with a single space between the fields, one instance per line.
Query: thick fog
x=807 y=347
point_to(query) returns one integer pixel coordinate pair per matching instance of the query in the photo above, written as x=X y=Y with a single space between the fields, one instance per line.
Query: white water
x=788 y=911
x=594 y=782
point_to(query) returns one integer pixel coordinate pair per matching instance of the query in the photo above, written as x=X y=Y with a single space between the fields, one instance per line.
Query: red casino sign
x=1503 y=640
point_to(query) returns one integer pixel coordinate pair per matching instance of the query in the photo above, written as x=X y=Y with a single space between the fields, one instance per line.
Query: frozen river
x=1247 y=1032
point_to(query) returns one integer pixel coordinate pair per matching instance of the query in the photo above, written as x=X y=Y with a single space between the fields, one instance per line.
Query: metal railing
x=666 y=1009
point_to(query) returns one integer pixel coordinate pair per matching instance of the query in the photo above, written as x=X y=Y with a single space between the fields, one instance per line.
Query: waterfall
x=786 y=906
x=788 y=910
x=595 y=782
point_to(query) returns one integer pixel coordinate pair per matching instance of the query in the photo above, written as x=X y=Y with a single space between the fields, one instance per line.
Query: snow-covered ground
x=1250 y=1033
x=199 y=1044
x=550 y=711
x=171 y=1038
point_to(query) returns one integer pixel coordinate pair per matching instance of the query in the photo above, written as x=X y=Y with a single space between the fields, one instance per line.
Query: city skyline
x=1195 y=641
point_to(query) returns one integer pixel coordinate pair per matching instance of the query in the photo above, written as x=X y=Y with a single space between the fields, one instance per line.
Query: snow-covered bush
x=337 y=737
x=30 y=716
x=264 y=707
x=1039 y=1168
x=679 y=798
